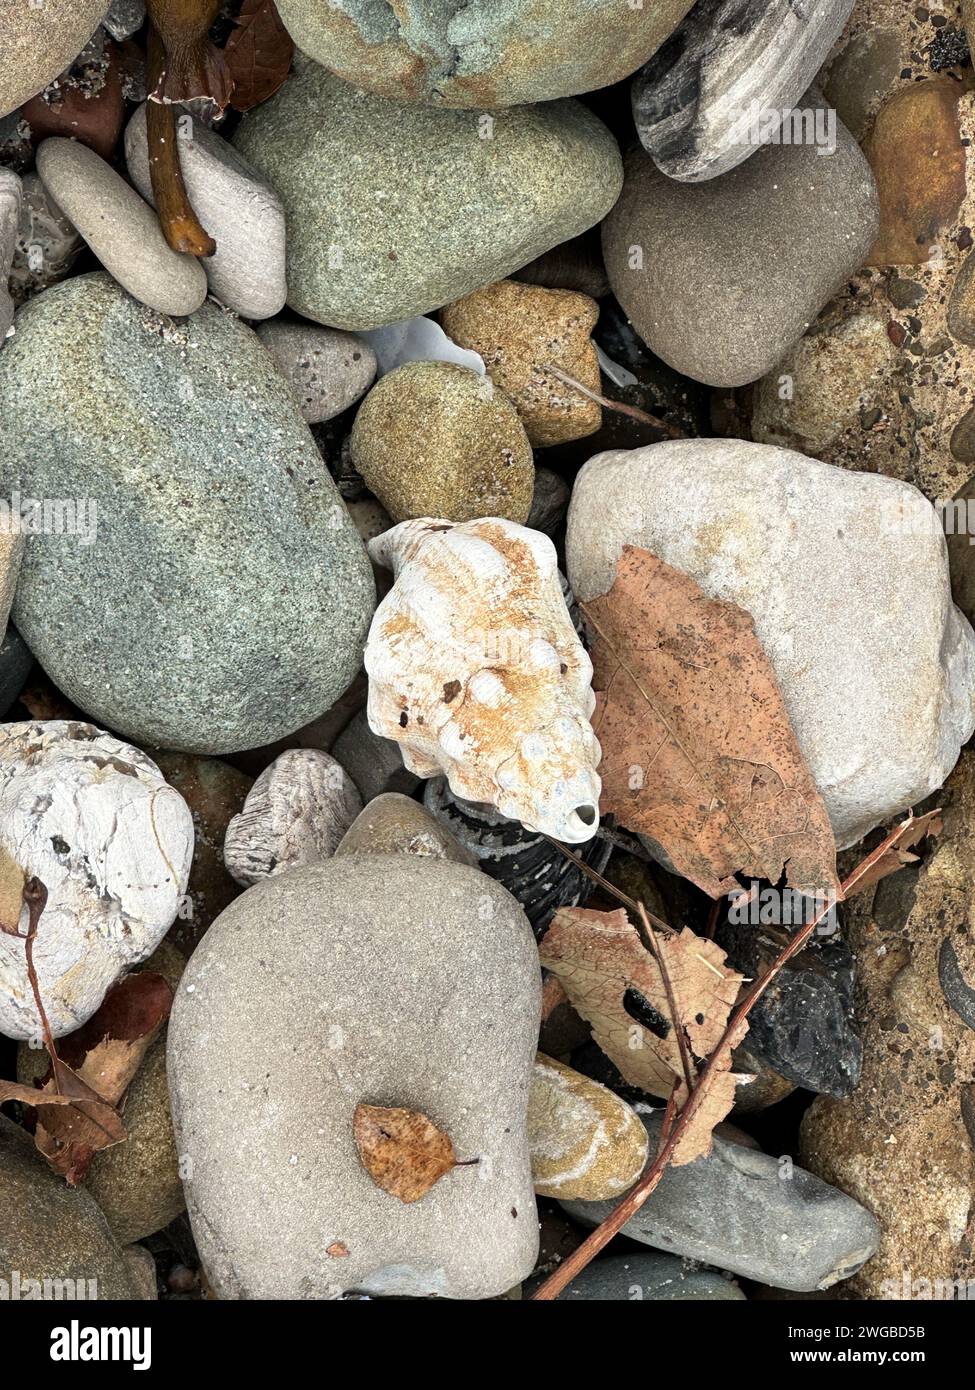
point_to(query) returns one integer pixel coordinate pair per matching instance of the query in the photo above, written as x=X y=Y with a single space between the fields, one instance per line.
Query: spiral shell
x=476 y=671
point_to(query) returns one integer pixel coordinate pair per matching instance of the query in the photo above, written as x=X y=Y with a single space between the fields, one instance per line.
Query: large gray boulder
x=220 y=596
x=391 y=980
x=485 y=53
x=846 y=578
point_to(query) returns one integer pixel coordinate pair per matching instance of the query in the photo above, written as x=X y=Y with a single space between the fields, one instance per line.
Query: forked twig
x=717 y=1062
x=621 y=408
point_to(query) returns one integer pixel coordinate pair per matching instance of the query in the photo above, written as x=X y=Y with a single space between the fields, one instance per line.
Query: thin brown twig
x=690 y=1074
x=730 y=1038
x=620 y=407
x=611 y=888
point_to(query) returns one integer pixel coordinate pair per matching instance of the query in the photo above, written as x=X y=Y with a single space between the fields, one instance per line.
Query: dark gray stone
x=803 y=1025
x=648 y=1278
x=751 y=1214
x=15 y=663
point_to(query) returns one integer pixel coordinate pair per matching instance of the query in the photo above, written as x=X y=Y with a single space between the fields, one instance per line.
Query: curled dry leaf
x=402 y=1150
x=896 y=849
x=698 y=750
x=614 y=982
x=76 y=1102
x=258 y=54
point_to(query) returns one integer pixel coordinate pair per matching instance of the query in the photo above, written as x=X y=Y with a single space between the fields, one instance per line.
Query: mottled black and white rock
x=802 y=1026
x=703 y=101
x=526 y=863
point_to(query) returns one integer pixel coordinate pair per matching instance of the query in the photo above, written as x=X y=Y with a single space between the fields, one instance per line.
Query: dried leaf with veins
x=76 y=1102
x=402 y=1150
x=698 y=751
x=896 y=854
x=258 y=53
x=614 y=982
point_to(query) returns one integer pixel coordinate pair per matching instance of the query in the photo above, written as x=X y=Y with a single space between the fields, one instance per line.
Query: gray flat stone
x=735 y=1209
x=328 y=370
x=636 y=1278
x=386 y=979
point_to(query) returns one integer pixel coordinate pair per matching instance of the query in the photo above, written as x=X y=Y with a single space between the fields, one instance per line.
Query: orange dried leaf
x=76 y=1103
x=614 y=982
x=698 y=750
x=258 y=54
x=402 y=1150
x=896 y=850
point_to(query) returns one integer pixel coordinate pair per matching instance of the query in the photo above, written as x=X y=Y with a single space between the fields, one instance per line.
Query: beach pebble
x=214 y=791
x=550 y=502
x=120 y=228
x=416 y=982
x=221 y=539
x=395 y=210
x=721 y=278
x=482 y=55
x=395 y=824
x=47 y=243
x=374 y=763
x=240 y=211
x=522 y=330
x=328 y=370
x=851 y=604
x=38 y=42
x=53 y=1232
x=94 y=820
x=706 y=99
x=296 y=813
x=435 y=439
x=584 y=1141
x=137 y=1183
x=636 y=1277
x=11 y=199
x=15 y=664
x=125 y=17
x=734 y=1209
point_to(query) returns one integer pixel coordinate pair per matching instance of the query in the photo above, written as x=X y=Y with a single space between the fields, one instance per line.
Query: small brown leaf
x=698 y=750
x=338 y=1250
x=896 y=850
x=615 y=983
x=76 y=1101
x=402 y=1150
x=258 y=54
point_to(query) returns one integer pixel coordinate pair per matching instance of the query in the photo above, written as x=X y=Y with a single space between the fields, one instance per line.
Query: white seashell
x=296 y=813
x=417 y=340
x=95 y=821
x=476 y=670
